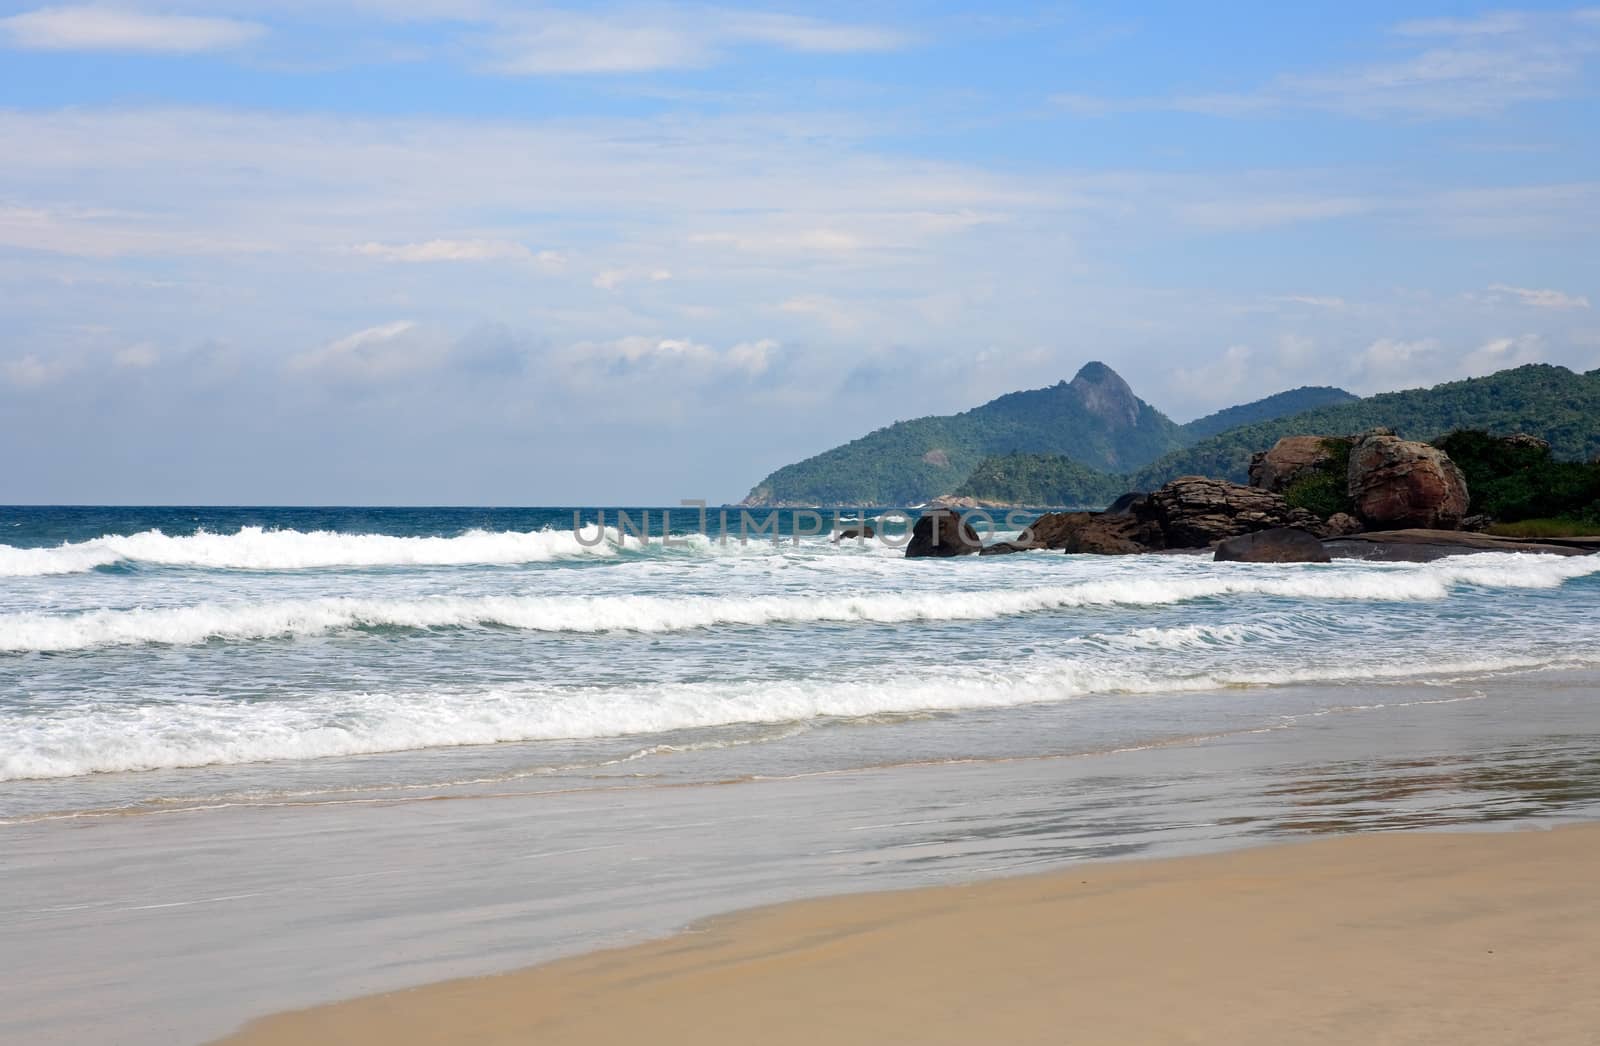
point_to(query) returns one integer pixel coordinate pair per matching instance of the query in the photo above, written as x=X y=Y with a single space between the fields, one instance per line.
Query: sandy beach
x=1384 y=938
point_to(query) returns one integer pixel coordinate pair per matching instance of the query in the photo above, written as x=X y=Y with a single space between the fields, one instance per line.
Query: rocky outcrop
x=1293 y=457
x=1278 y=545
x=942 y=533
x=1524 y=441
x=1102 y=533
x=1107 y=535
x=1194 y=512
x=857 y=533
x=1005 y=548
x=1396 y=483
x=957 y=501
x=1421 y=546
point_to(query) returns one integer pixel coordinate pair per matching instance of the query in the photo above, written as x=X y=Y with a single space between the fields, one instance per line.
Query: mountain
x=1295 y=401
x=1095 y=420
x=1095 y=417
x=1040 y=480
x=1540 y=399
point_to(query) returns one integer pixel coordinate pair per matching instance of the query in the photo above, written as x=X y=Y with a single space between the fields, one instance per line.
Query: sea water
x=253 y=759
x=155 y=656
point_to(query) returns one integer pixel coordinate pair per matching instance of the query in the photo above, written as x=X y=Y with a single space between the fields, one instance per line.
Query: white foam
x=205 y=732
x=256 y=548
x=185 y=625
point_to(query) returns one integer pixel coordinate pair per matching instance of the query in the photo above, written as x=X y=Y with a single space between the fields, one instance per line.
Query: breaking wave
x=186 y=625
x=115 y=738
x=258 y=548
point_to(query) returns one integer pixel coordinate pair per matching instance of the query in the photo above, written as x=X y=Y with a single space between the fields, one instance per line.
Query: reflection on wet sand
x=1513 y=782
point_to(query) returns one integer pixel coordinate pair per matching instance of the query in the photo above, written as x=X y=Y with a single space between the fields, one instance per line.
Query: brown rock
x=1278 y=545
x=1400 y=484
x=1099 y=533
x=1103 y=534
x=1005 y=548
x=1052 y=529
x=942 y=533
x=856 y=533
x=1290 y=458
x=1341 y=523
x=1194 y=512
x=1523 y=439
x=955 y=501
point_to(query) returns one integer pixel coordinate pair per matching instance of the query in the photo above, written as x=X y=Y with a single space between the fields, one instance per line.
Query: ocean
x=465 y=739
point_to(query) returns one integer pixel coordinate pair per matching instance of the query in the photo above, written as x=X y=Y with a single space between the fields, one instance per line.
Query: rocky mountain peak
x=1104 y=394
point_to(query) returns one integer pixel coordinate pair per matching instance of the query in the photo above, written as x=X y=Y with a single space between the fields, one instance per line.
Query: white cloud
x=1542 y=298
x=30 y=371
x=1500 y=353
x=666 y=357
x=376 y=352
x=454 y=251
x=611 y=279
x=556 y=42
x=1317 y=301
x=138 y=356
x=105 y=28
x=1462 y=68
x=829 y=311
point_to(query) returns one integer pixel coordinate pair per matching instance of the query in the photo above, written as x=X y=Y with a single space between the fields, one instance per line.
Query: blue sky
x=465 y=251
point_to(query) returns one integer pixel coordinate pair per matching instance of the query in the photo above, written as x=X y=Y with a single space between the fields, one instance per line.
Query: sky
x=496 y=253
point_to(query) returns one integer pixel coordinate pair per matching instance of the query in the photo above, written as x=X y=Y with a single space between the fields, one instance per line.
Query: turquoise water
x=152 y=657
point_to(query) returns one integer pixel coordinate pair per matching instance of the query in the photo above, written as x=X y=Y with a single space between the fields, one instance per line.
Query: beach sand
x=1391 y=938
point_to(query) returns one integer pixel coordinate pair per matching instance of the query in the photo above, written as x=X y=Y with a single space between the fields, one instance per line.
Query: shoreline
x=1403 y=937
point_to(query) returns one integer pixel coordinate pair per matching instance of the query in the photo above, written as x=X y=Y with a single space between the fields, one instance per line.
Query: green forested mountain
x=1544 y=400
x=1295 y=401
x=1041 y=480
x=1095 y=420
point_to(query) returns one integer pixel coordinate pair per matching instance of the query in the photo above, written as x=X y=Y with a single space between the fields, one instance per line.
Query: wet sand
x=1383 y=938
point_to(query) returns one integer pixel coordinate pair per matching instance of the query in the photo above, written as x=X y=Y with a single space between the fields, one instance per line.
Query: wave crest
x=186 y=625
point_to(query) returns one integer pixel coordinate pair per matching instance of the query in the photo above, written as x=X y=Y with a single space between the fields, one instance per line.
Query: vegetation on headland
x=1040 y=480
x=1028 y=448
x=1546 y=528
x=1544 y=400
x=1095 y=421
x=1514 y=481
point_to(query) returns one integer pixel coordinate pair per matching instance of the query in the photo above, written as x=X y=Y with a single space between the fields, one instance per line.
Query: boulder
x=1342 y=523
x=1400 y=484
x=1291 y=458
x=1099 y=533
x=955 y=501
x=1194 y=512
x=856 y=533
x=942 y=533
x=1128 y=504
x=1103 y=534
x=1525 y=441
x=1052 y=529
x=1278 y=545
x=1005 y=548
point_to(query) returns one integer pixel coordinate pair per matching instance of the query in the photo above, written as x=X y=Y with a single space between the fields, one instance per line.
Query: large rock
x=1194 y=512
x=1100 y=533
x=942 y=532
x=1399 y=484
x=1342 y=523
x=1278 y=545
x=1291 y=458
x=1129 y=504
x=1103 y=534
